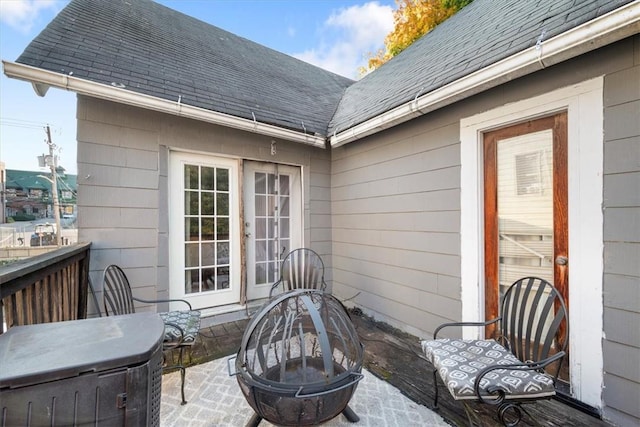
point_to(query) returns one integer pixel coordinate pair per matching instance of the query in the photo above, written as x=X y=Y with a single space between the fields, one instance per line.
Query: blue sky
x=333 y=34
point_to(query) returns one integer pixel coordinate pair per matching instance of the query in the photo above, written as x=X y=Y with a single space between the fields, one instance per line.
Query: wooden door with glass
x=525 y=207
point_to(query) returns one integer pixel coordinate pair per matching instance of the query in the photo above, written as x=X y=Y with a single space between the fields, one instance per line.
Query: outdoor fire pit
x=300 y=360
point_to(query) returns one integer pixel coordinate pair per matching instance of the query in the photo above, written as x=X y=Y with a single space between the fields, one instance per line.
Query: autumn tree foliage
x=412 y=19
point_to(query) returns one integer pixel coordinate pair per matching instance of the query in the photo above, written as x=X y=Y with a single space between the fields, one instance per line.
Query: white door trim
x=584 y=103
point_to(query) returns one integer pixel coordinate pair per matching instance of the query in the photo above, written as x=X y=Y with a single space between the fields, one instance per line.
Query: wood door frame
x=584 y=103
x=557 y=123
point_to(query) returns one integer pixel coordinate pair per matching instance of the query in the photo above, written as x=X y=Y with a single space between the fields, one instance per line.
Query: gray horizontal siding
x=396 y=221
x=621 y=391
x=123 y=156
x=396 y=215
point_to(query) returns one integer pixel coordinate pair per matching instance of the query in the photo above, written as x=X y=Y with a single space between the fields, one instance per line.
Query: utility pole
x=53 y=164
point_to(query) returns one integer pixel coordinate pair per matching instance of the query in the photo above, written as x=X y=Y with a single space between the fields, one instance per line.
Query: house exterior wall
x=622 y=241
x=396 y=222
x=123 y=186
x=396 y=215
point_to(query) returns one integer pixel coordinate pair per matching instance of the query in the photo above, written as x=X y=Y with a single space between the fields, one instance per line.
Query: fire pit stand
x=300 y=360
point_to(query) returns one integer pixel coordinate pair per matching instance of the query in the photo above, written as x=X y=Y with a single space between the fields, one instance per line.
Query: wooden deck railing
x=51 y=287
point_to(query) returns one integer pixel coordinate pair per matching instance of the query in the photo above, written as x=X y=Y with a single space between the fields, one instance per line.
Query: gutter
x=43 y=79
x=606 y=29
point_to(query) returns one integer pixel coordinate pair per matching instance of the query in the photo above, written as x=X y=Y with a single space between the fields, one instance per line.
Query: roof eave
x=43 y=79
x=606 y=29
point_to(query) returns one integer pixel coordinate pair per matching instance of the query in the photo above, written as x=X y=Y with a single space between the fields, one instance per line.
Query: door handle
x=562 y=260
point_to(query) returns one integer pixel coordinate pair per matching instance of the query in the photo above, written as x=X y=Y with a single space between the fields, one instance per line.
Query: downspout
x=606 y=29
x=43 y=79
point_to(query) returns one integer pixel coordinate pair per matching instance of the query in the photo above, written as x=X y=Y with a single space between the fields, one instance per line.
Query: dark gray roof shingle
x=157 y=51
x=482 y=33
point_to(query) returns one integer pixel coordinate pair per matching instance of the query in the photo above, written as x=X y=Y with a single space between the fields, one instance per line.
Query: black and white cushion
x=459 y=361
x=188 y=321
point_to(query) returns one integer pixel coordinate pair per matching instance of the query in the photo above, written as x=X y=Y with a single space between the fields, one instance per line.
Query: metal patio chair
x=522 y=363
x=300 y=269
x=181 y=326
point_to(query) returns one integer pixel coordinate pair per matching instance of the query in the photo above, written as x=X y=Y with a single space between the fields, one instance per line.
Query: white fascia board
x=43 y=79
x=613 y=26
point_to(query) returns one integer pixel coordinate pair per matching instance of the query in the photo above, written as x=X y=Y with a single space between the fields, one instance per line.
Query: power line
x=20 y=123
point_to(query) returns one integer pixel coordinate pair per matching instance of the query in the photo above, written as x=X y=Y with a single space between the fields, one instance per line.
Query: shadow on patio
x=396 y=358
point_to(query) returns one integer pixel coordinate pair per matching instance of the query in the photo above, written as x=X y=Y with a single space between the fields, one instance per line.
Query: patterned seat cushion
x=188 y=321
x=459 y=361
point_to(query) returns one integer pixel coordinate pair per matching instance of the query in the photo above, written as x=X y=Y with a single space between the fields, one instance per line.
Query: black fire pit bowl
x=300 y=360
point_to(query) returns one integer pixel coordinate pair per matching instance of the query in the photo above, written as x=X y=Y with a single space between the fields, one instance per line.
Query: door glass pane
x=222 y=204
x=191 y=229
x=271 y=183
x=261 y=228
x=192 y=281
x=208 y=254
x=272 y=224
x=208 y=279
x=222 y=179
x=284 y=228
x=190 y=176
x=261 y=183
x=285 y=247
x=261 y=251
x=284 y=206
x=273 y=271
x=261 y=272
x=191 y=203
x=223 y=229
x=272 y=251
x=208 y=178
x=222 y=277
x=284 y=185
x=206 y=231
x=271 y=206
x=207 y=203
x=271 y=228
x=223 y=253
x=261 y=205
x=191 y=255
x=525 y=207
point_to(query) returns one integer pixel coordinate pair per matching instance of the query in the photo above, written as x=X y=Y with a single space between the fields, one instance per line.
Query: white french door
x=204 y=230
x=273 y=221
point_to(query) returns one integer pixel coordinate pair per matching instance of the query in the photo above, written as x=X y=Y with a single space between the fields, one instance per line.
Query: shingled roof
x=149 y=49
x=482 y=33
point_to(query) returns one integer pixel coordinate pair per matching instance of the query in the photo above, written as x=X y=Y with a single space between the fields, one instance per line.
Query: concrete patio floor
x=396 y=358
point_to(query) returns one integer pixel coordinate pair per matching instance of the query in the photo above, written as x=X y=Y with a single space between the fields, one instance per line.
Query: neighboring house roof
x=150 y=49
x=32 y=180
x=26 y=180
x=155 y=51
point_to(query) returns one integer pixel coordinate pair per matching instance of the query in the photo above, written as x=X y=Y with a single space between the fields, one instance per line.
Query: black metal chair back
x=533 y=322
x=118 y=298
x=301 y=269
x=181 y=326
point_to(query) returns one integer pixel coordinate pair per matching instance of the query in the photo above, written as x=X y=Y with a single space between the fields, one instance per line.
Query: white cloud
x=22 y=14
x=348 y=35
